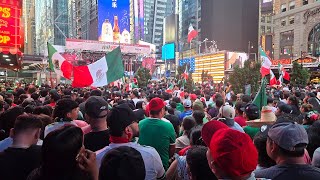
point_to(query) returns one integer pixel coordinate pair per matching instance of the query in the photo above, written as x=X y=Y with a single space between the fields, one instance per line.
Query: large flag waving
x=265 y=63
x=283 y=73
x=261 y=98
x=192 y=33
x=58 y=63
x=273 y=79
x=100 y=73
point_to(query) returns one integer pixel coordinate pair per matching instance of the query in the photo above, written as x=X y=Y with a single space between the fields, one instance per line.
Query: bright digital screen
x=168 y=51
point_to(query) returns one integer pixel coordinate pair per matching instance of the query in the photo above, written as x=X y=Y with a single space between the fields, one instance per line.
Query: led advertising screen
x=10 y=25
x=168 y=51
x=236 y=59
x=114 y=21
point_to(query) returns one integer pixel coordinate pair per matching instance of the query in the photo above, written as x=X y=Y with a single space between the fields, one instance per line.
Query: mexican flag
x=192 y=33
x=58 y=63
x=261 y=98
x=186 y=74
x=273 y=79
x=283 y=73
x=100 y=73
x=265 y=63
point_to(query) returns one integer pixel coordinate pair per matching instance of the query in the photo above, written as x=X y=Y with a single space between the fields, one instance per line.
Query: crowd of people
x=155 y=133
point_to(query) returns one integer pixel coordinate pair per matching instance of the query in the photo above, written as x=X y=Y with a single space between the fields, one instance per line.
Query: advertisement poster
x=236 y=59
x=114 y=21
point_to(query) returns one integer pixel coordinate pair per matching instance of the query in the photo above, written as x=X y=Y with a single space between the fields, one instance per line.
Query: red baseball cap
x=156 y=104
x=210 y=128
x=234 y=152
x=193 y=97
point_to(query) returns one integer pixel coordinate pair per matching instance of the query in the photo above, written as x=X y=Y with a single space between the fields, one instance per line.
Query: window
x=304 y=2
x=269 y=19
x=291 y=20
x=292 y=5
x=283 y=8
x=314 y=41
x=263 y=29
x=263 y=19
x=283 y=22
x=287 y=50
x=268 y=29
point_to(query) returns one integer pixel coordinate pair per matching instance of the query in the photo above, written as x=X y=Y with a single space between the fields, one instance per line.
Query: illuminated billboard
x=168 y=51
x=114 y=21
x=10 y=26
x=236 y=59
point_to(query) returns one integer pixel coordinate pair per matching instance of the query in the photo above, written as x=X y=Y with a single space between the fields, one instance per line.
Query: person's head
x=156 y=106
x=176 y=99
x=292 y=100
x=260 y=142
x=96 y=92
x=54 y=96
x=43 y=110
x=286 y=94
x=238 y=107
x=306 y=108
x=198 y=106
x=96 y=109
x=246 y=99
x=316 y=158
x=188 y=123
x=310 y=118
x=44 y=92
x=66 y=110
x=134 y=94
x=286 y=141
x=313 y=137
x=35 y=96
x=251 y=112
x=122 y=122
x=60 y=149
x=195 y=136
x=141 y=105
x=219 y=102
x=26 y=130
x=270 y=100
x=123 y=163
x=283 y=108
x=227 y=111
x=198 y=116
x=232 y=154
x=46 y=120
x=7 y=120
x=187 y=104
x=197 y=164
x=175 y=122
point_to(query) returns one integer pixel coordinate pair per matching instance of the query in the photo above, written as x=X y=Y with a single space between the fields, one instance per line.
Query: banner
x=87 y=45
x=149 y=63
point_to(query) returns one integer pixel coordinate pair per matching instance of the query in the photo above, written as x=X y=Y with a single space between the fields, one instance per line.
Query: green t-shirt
x=180 y=107
x=251 y=131
x=158 y=134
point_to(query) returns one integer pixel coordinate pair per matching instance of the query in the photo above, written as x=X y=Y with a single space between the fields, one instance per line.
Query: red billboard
x=11 y=32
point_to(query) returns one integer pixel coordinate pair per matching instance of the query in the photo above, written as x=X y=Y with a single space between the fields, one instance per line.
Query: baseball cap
x=227 y=111
x=156 y=104
x=187 y=103
x=193 y=97
x=210 y=128
x=95 y=105
x=251 y=109
x=234 y=152
x=119 y=118
x=288 y=135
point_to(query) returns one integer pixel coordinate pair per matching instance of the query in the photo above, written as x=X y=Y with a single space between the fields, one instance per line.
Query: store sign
x=310 y=13
x=10 y=26
x=87 y=45
x=281 y=61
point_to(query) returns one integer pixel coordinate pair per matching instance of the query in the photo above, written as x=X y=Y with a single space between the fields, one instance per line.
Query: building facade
x=266 y=26
x=297 y=28
x=29 y=26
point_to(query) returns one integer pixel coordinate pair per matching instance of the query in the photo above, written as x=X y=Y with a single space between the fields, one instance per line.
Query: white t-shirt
x=151 y=159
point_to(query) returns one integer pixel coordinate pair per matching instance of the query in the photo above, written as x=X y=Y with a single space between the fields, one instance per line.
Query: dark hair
x=46 y=120
x=44 y=92
x=170 y=110
x=32 y=90
x=246 y=98
x=188 y=123
x=139 y=104
x=233 y=97
x=86 y=95
x=174 y=121
x=195 y=136
x=35 y=96
x=25 y=122
x=43 y=110
x=63 y=107
x=198 y=116
x=238 y=107
x=314 y=137
x=8 y=118
x=297 y=153
x=286 y=95
x=260 y=141
x=135 y=93
x=96 y=92
x=294 y=100
x=59 y=151
x=198 y=164
x=176 y=99
x=54 y=96
x=153 y=112
x=219 y=102
x=269 y=100
x=307 y=107
x=122 y=163
x=173 y=104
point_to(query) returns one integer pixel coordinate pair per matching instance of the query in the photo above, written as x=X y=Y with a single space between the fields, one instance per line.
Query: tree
x=205 y=76
x=249 y=74
x=299 y=75
x=188 y=84
x=143 y=76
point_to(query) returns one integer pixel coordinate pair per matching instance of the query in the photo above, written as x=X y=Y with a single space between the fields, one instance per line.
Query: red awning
x=6 y=50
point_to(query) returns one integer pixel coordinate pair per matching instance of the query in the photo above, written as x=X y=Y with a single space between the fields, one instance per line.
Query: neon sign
x=10 y=24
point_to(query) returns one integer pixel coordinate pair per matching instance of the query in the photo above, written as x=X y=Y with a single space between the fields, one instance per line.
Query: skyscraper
x=154 y=13
x=29 y=26
x=266 y=26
